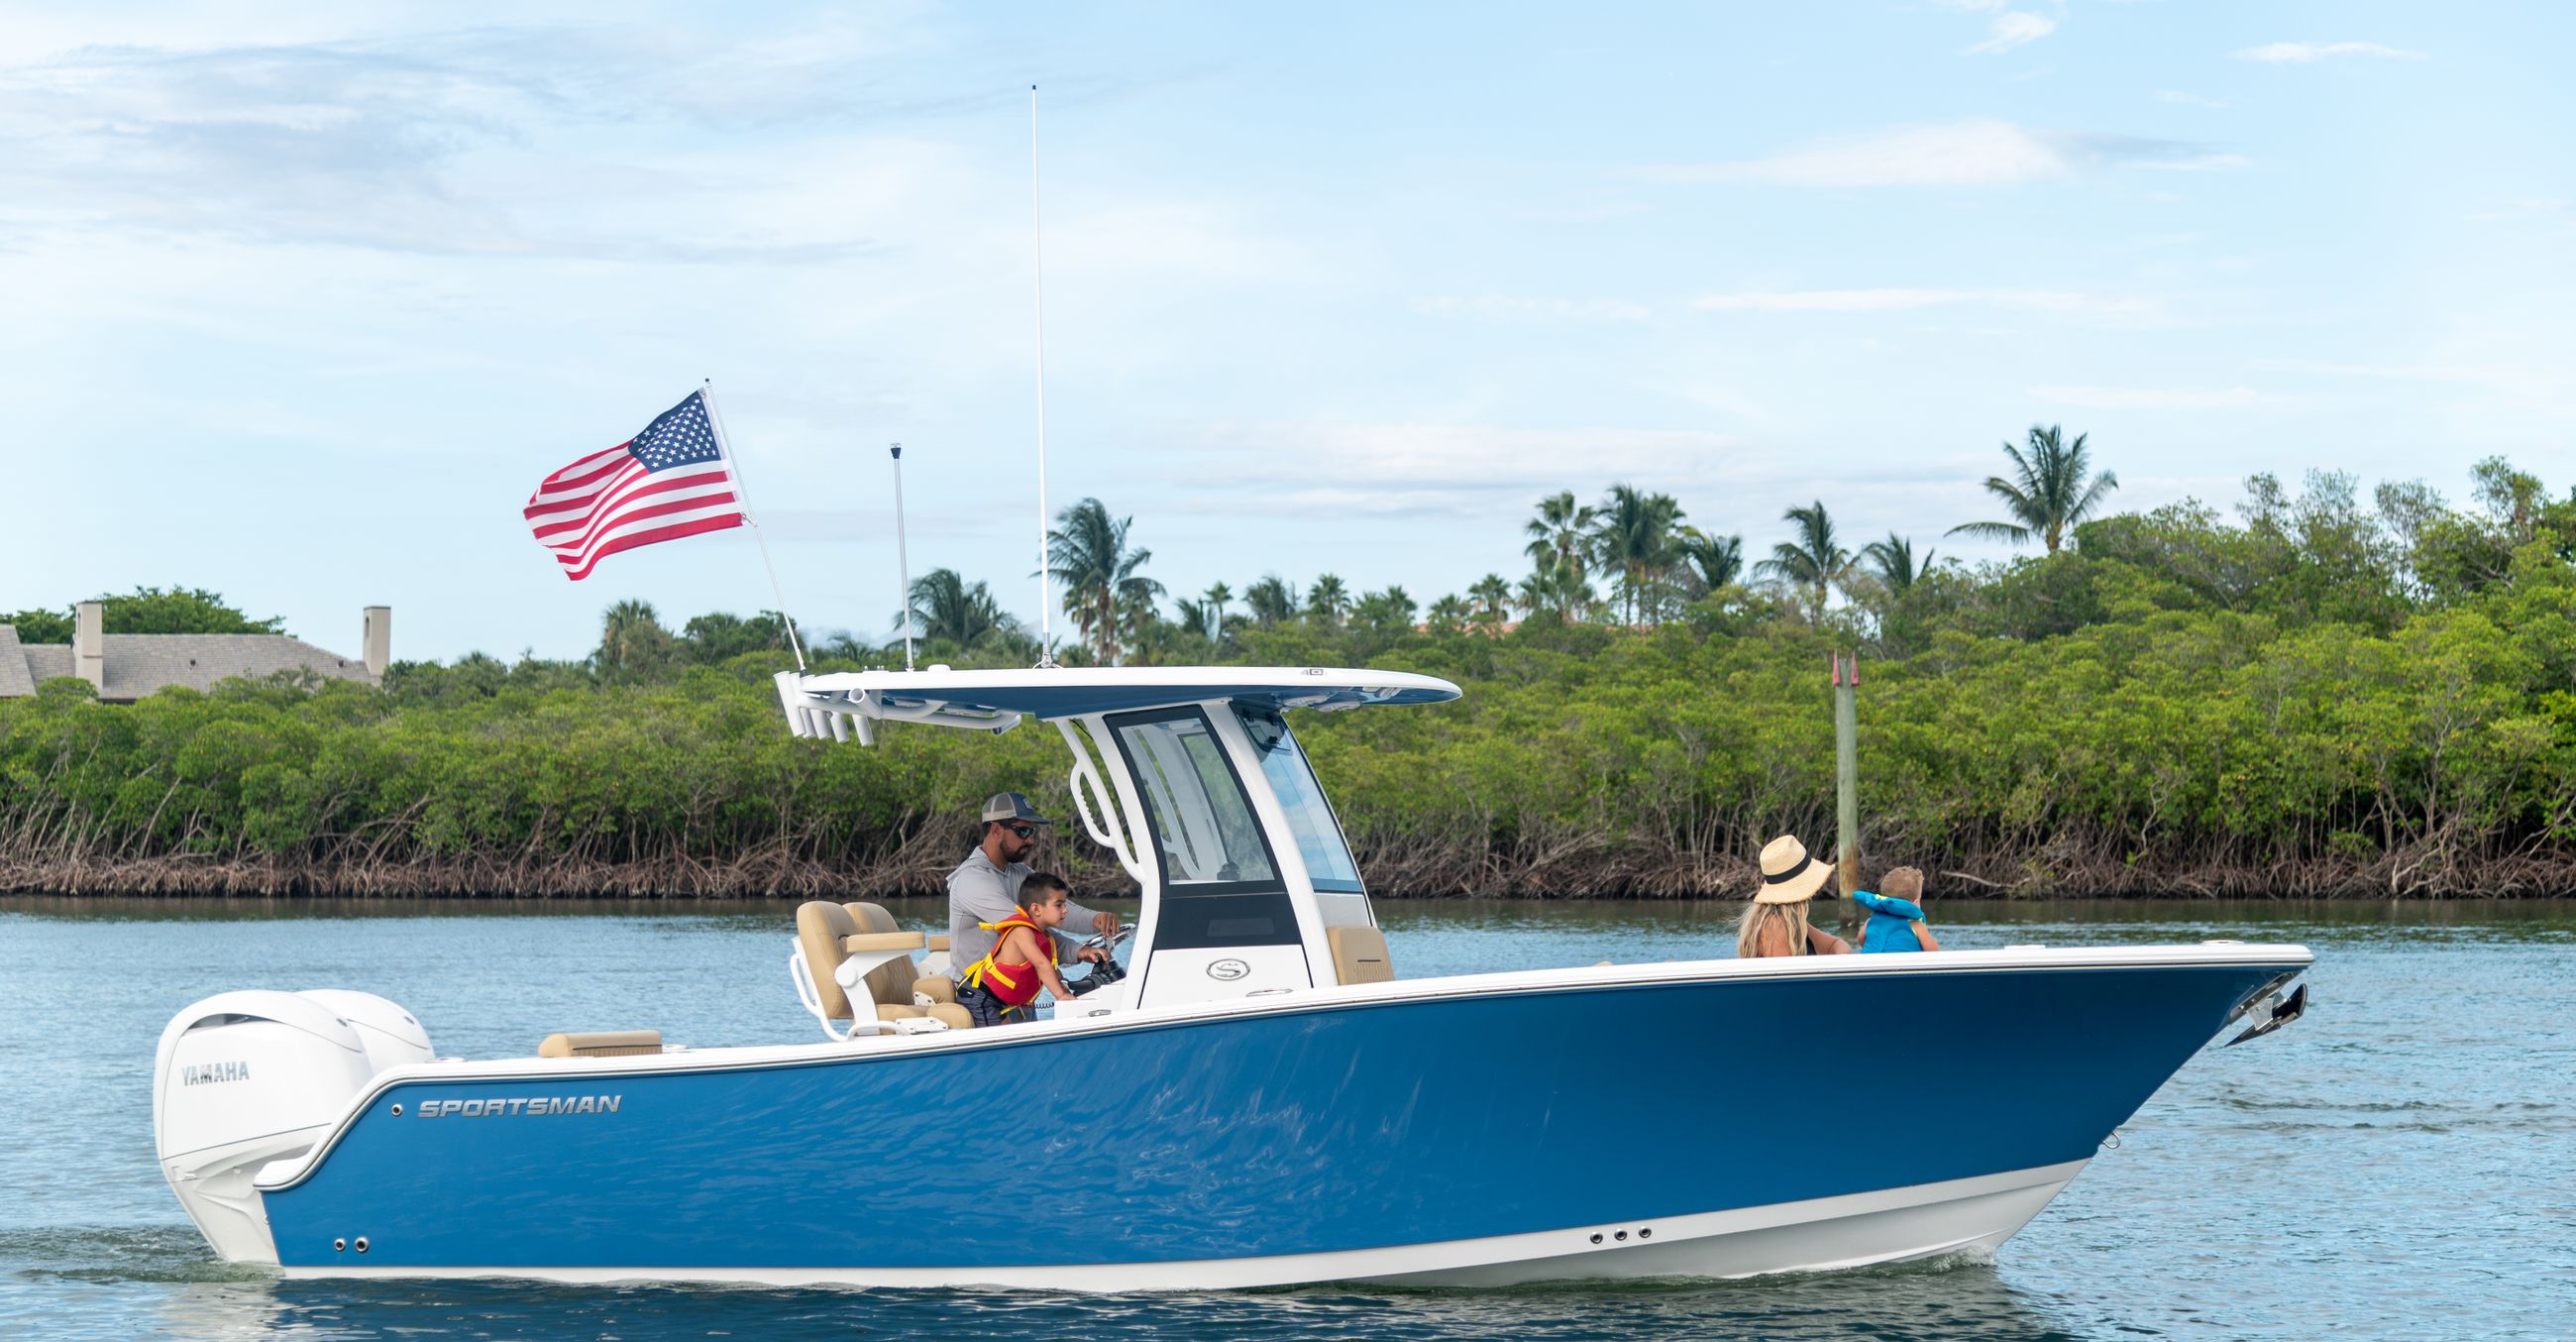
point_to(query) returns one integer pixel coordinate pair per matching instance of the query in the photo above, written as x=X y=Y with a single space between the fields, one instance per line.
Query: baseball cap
x=1013 y=806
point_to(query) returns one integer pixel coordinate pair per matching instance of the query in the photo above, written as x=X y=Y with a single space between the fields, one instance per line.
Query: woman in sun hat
x=1775 y=923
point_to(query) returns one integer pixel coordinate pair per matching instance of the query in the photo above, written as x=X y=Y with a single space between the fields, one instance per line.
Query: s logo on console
x=1227 y=971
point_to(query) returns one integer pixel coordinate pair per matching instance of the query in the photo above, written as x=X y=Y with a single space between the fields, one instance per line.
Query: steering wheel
x=1108 y=971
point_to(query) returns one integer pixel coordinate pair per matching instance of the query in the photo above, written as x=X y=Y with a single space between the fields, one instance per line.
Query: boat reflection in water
x=1257 y=1100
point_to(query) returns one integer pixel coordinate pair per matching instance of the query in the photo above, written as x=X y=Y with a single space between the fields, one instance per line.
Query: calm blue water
x=2402 y=1163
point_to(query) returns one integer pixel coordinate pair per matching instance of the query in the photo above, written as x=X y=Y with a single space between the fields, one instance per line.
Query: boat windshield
x=1310 y=817
x=1200 y=817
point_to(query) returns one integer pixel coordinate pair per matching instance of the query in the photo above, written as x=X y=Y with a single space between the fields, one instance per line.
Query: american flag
x=669 y=481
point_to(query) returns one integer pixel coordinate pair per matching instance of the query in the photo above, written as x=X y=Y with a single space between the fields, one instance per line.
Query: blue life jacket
x=1891 y=923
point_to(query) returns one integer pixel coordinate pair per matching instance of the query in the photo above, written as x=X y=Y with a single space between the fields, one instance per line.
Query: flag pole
x=1037 y=254
x=715 y=420
x=902 y=561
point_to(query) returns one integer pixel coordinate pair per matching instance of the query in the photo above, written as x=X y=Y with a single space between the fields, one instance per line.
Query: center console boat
x=1284 y=1107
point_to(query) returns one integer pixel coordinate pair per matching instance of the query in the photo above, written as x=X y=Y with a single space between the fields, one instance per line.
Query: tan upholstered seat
x=937 y=987
x=828 y=932
x=1359 y=954
x=601 y=1044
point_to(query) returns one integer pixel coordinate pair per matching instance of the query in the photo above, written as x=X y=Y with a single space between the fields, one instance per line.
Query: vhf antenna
x=902 y=561
x=1037 y=253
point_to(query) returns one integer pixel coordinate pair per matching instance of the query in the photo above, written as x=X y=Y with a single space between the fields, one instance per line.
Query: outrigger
x=1283 y=1106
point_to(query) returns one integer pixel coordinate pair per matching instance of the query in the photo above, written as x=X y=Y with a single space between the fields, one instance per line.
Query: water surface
x=2398 y=1164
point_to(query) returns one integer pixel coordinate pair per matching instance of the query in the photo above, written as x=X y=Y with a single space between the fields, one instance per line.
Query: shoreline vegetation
x=2322 y=697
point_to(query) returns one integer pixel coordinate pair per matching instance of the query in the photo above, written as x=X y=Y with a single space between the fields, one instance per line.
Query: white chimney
x=379 y=640
x=89 y=645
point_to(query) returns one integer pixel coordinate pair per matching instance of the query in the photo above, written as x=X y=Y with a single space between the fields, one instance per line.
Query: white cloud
x=1966 y=153
x=1500 y=308
x=2157 y=398
x=1334 y=469
x=2119 y=306
x=2301 y=53
x=2013 y=28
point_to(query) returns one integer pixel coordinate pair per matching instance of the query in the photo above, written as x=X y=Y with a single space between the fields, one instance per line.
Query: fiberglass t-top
x=1194 y=779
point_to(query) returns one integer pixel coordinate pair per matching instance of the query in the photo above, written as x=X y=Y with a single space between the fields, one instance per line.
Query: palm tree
x=2053 y=494
x=1894 y=561
x=1560 y=531
x=1387 y=612
x=1632 y=532
x=1448 y=615
x=1141 y=625
x=945 y=607
x=631 y=637
x=1272 y=601
x=1089 y=550
x=844 y=646
x=1493 y=598
x=1812 y=563
x=1555 y=586
x=1216 y=596
x=1710 y=561
x=1327 y=600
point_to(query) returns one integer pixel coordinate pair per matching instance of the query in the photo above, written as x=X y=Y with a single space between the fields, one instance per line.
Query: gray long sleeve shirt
x=979 y=892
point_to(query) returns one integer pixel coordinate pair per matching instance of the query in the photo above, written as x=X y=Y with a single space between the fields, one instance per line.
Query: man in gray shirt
x=985 y=888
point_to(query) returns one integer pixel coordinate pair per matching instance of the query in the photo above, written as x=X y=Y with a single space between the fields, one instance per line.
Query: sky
x=299 y=301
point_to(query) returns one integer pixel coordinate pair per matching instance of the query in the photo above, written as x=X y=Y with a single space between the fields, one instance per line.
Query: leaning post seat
x=600 y=1044
x=846 y=953
x=1359 y=954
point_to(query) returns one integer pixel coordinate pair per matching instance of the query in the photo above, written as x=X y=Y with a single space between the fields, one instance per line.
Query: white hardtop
x=996 y=700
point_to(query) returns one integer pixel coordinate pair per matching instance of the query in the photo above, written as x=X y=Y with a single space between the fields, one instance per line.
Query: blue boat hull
x=1314 y=1130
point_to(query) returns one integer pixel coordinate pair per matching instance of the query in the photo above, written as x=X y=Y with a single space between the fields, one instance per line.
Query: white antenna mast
x=902 y=561
x=724 y=447
x=1037 y=253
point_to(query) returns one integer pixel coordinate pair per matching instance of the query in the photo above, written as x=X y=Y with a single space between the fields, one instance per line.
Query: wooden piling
x=1847 y=786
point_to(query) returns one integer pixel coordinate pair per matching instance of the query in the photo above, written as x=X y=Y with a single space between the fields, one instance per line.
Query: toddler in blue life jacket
x=1896 y=915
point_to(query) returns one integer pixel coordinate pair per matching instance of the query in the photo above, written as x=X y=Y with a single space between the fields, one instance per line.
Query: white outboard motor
x=245 y=1078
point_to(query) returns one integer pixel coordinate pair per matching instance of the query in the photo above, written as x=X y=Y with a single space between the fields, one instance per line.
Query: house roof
x=47 y=660
x=13 y=665
x=136 y=665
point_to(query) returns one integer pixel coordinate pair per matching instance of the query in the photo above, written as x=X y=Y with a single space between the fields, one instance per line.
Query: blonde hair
x=1758 y=916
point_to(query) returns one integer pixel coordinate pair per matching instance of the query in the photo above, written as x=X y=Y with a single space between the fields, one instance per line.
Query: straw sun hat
x=1789 y=875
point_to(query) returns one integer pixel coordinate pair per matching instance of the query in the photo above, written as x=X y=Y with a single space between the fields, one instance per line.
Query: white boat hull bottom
x=1963 y=1216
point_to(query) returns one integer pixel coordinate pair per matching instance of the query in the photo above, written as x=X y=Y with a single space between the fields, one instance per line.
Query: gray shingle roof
x=48 y=660
x=139 y=664
x=13 y=665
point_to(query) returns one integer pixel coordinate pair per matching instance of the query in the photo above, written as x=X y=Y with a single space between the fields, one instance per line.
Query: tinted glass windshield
x=1319 y=837
x=1197 y=811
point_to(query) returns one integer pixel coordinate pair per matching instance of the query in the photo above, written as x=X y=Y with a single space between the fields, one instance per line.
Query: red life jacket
x=1015 y=983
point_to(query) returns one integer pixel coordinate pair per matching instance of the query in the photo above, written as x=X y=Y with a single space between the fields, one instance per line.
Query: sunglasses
x=1024 y=831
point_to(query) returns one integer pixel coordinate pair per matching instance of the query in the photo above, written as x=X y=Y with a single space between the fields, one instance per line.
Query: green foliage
x=2319 y=697
x=41 y=626
x=146 y=610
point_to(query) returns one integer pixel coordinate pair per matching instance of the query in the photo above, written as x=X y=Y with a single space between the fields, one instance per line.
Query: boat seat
x=1359 y=954
x=600 y=1044
x=828 y=934
x=937 y=988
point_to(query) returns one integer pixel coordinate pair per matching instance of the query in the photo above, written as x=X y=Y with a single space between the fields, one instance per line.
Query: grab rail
x=1105 y=825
